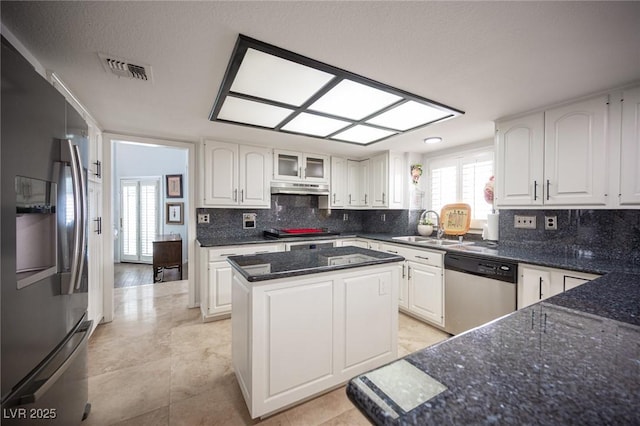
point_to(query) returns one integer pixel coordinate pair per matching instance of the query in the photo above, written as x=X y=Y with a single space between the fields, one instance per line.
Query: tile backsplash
x=606 y=233
x=302 y=211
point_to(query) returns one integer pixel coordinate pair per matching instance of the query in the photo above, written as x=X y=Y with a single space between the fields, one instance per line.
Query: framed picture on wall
x=174 y=186
x=175 y=214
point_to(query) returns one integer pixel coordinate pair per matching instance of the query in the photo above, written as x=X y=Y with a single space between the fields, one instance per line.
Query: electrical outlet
x=551 y=222
x=345 y=217
x=524 y=222
x=249 y=220
x=203 y=217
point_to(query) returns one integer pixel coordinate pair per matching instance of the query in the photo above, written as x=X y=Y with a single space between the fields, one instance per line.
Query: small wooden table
x=167 y=254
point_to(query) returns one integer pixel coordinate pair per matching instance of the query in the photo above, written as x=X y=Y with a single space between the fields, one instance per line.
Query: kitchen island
x=572 y=359
x=305 y=322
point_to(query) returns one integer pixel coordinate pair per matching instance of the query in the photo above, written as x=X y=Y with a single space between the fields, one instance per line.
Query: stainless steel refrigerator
x=43 y=225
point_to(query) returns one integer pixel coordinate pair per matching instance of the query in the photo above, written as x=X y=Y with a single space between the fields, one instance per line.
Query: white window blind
x=461 y=179
x=140 y=218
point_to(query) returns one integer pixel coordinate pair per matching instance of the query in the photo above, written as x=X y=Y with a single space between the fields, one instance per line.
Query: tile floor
x=158 y=364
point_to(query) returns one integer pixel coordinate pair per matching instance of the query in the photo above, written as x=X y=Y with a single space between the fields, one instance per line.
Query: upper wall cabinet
x=358 y=184
x=554 y=158
x=338 y=182
x=630 y=148
x=388 y=177
x=298 y=166
x=236 y=175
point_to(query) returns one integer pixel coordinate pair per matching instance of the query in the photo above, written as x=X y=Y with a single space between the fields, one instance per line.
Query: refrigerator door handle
x=34 y=396
x=79 y=237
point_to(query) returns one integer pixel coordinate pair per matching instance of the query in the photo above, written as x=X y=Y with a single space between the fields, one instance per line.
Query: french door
x=139 y=218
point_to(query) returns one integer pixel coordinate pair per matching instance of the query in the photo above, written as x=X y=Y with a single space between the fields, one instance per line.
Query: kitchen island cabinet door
x=575 y=154
x=426 y=292
x=630 y=149
x=534 y=286
x=219 y=288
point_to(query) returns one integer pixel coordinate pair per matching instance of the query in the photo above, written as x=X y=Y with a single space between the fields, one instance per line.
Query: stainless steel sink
x=412 y=239
x=427 y=240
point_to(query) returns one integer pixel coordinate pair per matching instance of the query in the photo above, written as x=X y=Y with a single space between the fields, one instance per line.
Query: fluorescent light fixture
x=314 y=125
x=250 y=112
x=269 y=87
x=409 y=115
x=270 y=77
x=433 y=139
x=353 y=100
x=363 y=134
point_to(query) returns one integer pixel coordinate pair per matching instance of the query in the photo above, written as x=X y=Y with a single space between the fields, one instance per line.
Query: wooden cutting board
x=455 y=218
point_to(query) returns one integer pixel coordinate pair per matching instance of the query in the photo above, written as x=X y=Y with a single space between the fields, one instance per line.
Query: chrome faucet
x=440 y=231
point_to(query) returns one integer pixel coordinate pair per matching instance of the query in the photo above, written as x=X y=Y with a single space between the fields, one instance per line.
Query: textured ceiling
x=489 y=59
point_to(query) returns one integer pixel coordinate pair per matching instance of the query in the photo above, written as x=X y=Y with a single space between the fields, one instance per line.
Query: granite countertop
x=571 y=359
x=568 y=258
x=269 y=266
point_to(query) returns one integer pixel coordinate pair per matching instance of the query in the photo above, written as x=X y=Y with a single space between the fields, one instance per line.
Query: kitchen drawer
x=221 y=253
x=424 y=256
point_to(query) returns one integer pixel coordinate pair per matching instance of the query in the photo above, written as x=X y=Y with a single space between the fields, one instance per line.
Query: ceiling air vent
x=124 y=68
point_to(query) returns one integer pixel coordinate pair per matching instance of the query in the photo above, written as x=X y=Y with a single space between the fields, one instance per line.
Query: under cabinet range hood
x=299 y=188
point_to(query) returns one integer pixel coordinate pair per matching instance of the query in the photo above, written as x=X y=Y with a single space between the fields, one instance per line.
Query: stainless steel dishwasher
x=477 y=290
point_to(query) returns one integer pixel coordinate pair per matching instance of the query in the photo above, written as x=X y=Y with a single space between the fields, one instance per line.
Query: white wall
x=133 y=160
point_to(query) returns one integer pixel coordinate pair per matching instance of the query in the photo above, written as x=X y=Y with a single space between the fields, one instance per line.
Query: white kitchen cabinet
x=387 y=180
x=95 y=256
x=358 y=183
x=215 y=277
x=299 y=166
x=236 y=175
x=630 y=148
x=536 y=283
x=421 y=292
x=426 y=292
x=94 y=168
x=338 y=196
x=293 y=338
x=555 y=158
x=575 y=153
x=520 y=161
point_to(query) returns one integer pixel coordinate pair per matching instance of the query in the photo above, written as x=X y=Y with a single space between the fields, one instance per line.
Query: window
x=139 y=218
x=461 y=178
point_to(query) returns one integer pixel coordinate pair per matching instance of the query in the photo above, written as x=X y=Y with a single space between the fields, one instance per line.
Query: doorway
x=142 y=156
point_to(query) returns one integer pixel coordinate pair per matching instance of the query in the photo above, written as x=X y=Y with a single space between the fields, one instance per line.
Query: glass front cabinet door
x=298 y=166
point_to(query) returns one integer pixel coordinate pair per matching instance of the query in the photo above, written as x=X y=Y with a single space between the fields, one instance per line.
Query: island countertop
x=571 y=359
x=269 y=266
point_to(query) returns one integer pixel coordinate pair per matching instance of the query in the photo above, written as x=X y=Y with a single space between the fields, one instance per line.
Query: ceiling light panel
x=353 y=100
x=315 y=125
x=409 y=115
x=277 y=79
x=270 y=87
x=363 y=134
x=253 y=113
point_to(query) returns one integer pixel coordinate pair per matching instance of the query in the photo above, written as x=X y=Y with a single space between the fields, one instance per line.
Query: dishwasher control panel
x=495 y=269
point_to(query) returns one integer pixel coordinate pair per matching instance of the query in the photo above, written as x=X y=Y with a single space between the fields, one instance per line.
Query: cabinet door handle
x=242 y=195
x=334 y=198
x=365 y=198
x=392 y=251
x=547 y=189
x=422 y=257
x=535 y=190
x=300 y=172
x=349 y=198
x=235 y=195
x=409 y=272
x=403 y=272
x=383 y=198
x=540 y=288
